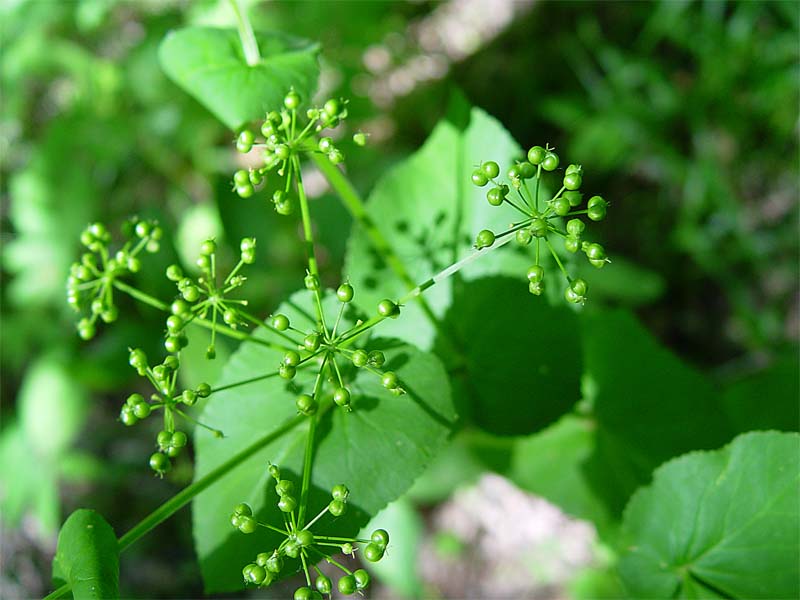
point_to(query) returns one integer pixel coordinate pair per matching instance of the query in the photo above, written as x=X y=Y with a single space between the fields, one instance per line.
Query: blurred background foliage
x=684 y=113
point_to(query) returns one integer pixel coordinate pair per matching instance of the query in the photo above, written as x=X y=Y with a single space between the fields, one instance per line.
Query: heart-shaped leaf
x=351 y=448
x=209 y=64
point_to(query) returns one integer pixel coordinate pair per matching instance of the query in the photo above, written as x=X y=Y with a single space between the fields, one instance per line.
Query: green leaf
x=87 y=556
x=550 y=464
x=721 y=524
x=209 y=65
x=429 y=212
x=767 y=399
x=527 y=340
x=647 y=404
x=351 y=448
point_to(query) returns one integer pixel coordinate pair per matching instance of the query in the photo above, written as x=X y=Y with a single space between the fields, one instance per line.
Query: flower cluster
x=540 y=223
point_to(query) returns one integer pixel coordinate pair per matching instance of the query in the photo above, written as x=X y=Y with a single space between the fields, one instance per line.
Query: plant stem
x=223 y=329
x=308 y=233
x=246 y=35
x=309 y=453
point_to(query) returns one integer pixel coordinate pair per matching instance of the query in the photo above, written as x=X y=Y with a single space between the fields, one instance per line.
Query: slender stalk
x=309 y=453
x=223 y=329
x=246 y=35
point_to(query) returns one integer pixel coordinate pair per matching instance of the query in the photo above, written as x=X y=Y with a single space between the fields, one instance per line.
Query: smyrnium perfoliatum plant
x=332 y=347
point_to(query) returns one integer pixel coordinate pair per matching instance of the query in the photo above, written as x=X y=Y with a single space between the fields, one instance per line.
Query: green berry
x=339 y=491
x=574 y=198
x=597 y=208
x=291 y=358
x=311 y=342
x=127 y=416
x=306 y=404
x=550 y=161
x=376 y=358
x=595 y=252
x=292 y=549
x=274 y=471
x=189 y=397
x=526 y=170
x=254 y=573
x=536 y=155
x=362 y=579
x=387 y=308
x=208 y=248
x=312 y=282
x=245 y=191
x=373 y=552
x=203 y=390
x=380 y=537
x=345 y=293
x=280 y=322
x=523 y=237
x=479 y=178
x=490 y=169
x=332 y=107
x=572 y=181
x=324 y=584
x=536 y=287
x=539 y=227
x=572 y=244
x=291 y=100
x=341 y=396
x=303 y=593
x=495 y=196
x=535 y=273
x=484 y=239
x=247 y=524
x=179 y=439
x=244 y=142
x=389 y=380
x=561 y=206
x=360 y=139
x=141 y=410
x=172 y=344
x=576 y=292
x=360 y=358
x=274 y=564
x=347 y=585
x=347 y=548
x=337 y=507
x=575 y=227
x=305 y=538
x=287 y=503
x=159 y=463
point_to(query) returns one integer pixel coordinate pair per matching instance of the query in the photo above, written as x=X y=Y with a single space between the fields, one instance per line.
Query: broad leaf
x=351 y=448
x=647 y=404
x=721 y=524
x=767 y=399
x=520 y=363
x=209 y=64
x=87 y=556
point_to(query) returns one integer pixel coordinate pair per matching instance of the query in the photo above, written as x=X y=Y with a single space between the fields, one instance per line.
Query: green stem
x=309 y=453
x=246 y=35
x=223 y=329
x=182 y=498
x=308 y=233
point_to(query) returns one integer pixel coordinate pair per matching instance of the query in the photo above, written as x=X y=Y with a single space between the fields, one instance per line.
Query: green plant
x=334 y=382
